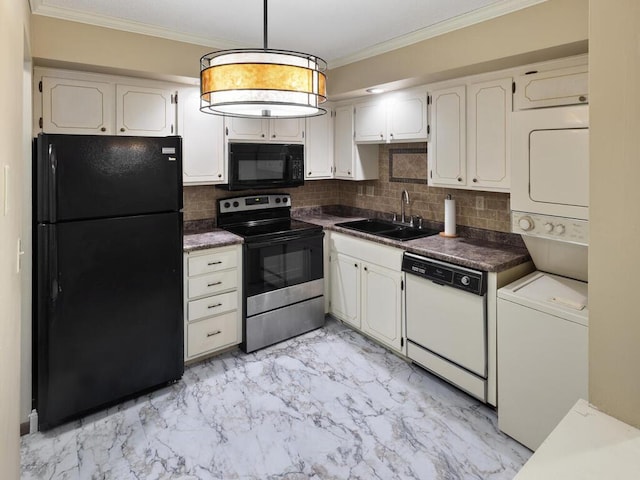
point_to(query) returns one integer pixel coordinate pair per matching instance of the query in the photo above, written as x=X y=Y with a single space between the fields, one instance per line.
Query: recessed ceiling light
x=375 y=90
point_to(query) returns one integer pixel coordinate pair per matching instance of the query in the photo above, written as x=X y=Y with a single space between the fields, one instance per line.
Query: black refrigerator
x=108 y=302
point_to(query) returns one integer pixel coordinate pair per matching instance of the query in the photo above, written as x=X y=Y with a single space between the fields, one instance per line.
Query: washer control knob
x=548 y=227
x=285 y=199
x=560 y=229
x=525 y=223
x=236 y=204
x=277 y=199
x=465 y=280
x=227 y=204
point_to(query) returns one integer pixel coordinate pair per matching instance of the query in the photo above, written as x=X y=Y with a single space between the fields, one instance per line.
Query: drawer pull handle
x=211 y=334
x=214 y=263
x=213 y=284
x=215 y=306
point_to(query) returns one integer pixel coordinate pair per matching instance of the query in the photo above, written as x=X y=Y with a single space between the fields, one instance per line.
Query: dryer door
x=550 y=170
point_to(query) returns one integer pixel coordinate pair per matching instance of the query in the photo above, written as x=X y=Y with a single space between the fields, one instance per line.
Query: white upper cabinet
x=489 y=134
x=371 y=121
x=407 y=116
x=83 y=103
x=563 y=86
x=395 y=117
x=77 y=106
x=279 y=130
x=447 y=151
x=352 y=161
x=144 y=111
x=470 y=137
x=318 y=156
x=203 y=160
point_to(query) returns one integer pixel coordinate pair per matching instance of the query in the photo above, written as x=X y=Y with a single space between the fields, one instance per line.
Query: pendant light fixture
x=256 y=83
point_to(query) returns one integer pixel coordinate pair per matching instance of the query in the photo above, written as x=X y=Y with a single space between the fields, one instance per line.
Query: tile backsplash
x=487 y=210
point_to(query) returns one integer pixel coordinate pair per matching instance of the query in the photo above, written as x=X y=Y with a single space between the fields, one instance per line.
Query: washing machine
x=542 y=354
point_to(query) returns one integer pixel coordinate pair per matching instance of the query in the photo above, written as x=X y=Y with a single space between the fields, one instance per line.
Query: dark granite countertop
x=212 y=239
x=475 y=253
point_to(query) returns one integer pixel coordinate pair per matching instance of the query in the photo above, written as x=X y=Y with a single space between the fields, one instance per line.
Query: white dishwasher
x=447 y=322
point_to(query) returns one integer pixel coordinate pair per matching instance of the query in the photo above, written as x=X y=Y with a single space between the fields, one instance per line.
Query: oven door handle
x=284 y=239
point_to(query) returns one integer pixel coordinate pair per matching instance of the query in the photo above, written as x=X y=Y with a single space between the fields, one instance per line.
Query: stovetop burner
x=259 y=217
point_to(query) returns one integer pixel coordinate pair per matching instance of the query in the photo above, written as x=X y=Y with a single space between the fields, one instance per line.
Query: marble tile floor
x=326 y=405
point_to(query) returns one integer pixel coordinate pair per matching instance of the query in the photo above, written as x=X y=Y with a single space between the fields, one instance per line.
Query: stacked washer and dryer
x=543 y=317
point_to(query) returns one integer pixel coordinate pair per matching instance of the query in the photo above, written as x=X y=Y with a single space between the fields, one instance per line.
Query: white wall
x=14 y=35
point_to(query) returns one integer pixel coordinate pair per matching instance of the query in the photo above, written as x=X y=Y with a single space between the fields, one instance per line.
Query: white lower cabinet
x=212 y=292
x=366 y=288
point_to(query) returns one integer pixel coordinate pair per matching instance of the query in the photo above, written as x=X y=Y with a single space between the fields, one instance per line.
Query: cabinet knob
x=582 y=98
x=459 y=179
x=365 y=269
x=309 y=173
x=122 y=129
x=103 y=129
x=262 y=135
x=348 y=172
x=219 y=175
x=391 y=135
x=355 y=265
x=381 y=136
x=273 y=136
x=475 y=180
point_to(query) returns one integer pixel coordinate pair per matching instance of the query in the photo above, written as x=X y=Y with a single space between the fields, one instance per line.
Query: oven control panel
x=254 y=202
x=565 y=229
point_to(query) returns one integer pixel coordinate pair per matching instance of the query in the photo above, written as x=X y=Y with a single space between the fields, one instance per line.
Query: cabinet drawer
x=212 y=262
x=212 y=333
x=214 y=305
x=212 y=283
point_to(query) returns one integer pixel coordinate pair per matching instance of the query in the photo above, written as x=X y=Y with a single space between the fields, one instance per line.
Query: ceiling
x=340 y=31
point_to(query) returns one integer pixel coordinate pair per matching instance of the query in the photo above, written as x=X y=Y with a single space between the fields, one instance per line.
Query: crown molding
x=486 y=13
x=38 y=8
x=465 y=20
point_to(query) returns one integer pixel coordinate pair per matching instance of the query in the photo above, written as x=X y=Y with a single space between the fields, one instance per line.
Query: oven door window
x=279 y=264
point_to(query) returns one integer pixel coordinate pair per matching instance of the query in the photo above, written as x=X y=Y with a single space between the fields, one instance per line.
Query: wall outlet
x=479 y=203
x=370 y=191
x=360 y=189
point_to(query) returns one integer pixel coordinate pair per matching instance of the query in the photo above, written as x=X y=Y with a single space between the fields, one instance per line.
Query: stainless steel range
x=283 y=287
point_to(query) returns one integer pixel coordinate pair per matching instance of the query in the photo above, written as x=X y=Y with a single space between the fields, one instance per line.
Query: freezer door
x=109 y=320
x=95 y=176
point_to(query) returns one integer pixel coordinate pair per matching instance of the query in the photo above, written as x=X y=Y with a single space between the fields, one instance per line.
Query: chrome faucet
x=404 y=200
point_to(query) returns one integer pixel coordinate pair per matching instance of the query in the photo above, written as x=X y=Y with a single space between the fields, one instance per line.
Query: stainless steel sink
x=386 y=229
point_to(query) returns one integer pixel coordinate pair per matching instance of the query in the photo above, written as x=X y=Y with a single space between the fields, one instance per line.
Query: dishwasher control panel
x=473 y=281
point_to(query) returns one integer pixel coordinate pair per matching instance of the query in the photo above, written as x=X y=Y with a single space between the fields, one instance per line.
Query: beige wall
x=62 y=43
x=614 y=258
x=14 y=24
x=551 y=29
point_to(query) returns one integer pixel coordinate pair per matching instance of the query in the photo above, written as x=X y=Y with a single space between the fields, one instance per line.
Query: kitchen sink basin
x=385 y=229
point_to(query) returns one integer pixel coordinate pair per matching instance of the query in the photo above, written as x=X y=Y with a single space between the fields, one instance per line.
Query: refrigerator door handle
x=54 y=283
x=53 y=168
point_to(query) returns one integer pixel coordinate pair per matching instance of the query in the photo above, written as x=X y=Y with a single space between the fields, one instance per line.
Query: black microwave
x=265 y=165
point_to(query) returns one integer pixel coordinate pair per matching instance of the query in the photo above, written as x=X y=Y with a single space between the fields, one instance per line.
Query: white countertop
x=586 y=445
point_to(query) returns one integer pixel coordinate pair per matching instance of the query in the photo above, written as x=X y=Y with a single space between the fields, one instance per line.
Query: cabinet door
x=76 y=106
x=287 y=130
x=447 y=155
x=144 y=111
x=371 y=122
x=564 y=86
x=246 y=128
x=489 y=134
x=382 y=305
x=343 y=142
x=407 y=116
x=202 y=134
x=319 y=146
x=345 y=288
